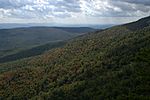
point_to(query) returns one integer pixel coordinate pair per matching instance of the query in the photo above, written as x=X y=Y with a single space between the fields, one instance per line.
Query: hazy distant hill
x=14 y=40
x=17 y=25
x=113 y=64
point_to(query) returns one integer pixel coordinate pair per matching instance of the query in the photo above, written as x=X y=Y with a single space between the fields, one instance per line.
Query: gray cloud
x=10 y=4
x=39 y=8
x=26 y=9
x=131 y=9
x=144 y=2
x=115 y=8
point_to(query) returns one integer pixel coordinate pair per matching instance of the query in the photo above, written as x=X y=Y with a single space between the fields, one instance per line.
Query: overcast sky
x=73 y=11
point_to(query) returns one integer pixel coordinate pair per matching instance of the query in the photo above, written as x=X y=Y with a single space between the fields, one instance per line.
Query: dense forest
x=112 y=64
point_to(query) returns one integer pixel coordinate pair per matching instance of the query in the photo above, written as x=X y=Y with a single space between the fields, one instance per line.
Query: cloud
x=39 y=8
x=52 y=9
x=141 y=2
x=14 y=4
x=114 y=8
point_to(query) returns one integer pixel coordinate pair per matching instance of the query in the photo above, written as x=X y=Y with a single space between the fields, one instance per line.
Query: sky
x=73 y=11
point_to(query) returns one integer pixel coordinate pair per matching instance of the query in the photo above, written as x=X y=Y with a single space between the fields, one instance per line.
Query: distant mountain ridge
x=24 y=38
x=27 y=25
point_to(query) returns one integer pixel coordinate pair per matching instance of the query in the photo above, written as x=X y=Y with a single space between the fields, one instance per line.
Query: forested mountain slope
x=140 y=24
x=112 y=64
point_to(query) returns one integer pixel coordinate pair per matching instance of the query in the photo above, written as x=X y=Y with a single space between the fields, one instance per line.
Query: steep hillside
x=140 y=24
x=112 y=64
